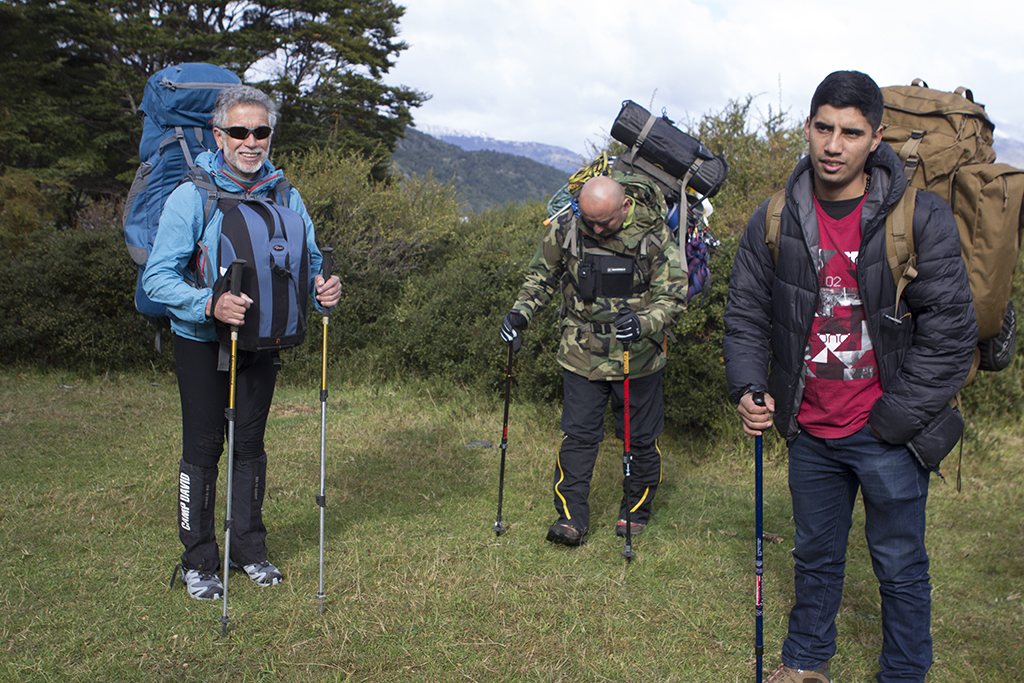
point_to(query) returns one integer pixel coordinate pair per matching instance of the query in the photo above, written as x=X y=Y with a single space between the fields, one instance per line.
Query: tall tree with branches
x=73 y=71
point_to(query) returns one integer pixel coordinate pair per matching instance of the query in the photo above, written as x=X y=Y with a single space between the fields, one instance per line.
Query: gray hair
x=239 y=95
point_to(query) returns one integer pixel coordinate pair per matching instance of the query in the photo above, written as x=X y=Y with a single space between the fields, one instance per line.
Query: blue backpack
x=176 y=111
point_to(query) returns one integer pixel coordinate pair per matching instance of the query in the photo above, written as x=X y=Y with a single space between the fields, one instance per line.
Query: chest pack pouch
x=605 y=276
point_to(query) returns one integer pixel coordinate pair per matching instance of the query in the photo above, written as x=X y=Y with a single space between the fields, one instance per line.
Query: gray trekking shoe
x=202 y=586
x=786 y=674
x=262 y=573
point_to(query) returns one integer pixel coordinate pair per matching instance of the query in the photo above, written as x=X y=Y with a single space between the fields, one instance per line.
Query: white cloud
x=556 y=71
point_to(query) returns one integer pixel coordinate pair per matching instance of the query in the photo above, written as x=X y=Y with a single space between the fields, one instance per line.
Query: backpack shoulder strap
x=773 y=223
x=571 y=242
x=899 y=246
x=202 y=180
x=282 y=192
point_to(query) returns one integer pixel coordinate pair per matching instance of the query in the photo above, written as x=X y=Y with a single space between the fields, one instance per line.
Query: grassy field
x=419 y=587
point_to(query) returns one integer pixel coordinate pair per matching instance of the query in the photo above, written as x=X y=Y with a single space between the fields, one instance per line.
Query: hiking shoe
x=787 y=674
x=262 y=573
x=202 y=585
x=635 y=529
x=566 y=534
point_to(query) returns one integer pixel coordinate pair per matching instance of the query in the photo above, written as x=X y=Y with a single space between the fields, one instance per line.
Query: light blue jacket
x=168 y=279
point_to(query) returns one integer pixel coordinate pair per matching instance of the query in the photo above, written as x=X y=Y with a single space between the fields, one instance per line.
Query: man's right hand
x=229 y=309
x=511 y=324
x=756 y=418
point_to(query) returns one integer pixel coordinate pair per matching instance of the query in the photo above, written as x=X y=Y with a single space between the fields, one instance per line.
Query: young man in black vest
x=857 y=389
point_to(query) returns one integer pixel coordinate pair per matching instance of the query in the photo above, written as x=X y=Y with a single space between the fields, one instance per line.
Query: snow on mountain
x=475 y=141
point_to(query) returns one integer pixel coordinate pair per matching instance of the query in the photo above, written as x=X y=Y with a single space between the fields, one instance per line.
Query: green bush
x=448 y=319
x=761 y=156
x=694 y=380
x=67 y=301
x=382 y=232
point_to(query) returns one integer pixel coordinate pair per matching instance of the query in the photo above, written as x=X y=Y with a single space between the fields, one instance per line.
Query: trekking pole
x=235 y=275
x=499 y=525
x=321 y=500
x=758 y=396
x=627 y=458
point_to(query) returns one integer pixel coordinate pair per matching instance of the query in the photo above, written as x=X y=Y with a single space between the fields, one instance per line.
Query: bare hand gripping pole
x=235 y=277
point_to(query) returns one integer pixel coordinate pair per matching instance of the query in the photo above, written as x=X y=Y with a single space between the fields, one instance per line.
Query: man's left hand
x=627 y=327
x=328 y=293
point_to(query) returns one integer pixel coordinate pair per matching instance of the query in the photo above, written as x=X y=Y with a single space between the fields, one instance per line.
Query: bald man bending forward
x=621 y=284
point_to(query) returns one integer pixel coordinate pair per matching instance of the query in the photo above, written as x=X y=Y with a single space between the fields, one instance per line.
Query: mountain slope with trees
x=484 y=179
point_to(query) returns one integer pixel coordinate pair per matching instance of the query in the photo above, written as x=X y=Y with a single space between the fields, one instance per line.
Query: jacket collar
x=266 y=180
x=888 y=182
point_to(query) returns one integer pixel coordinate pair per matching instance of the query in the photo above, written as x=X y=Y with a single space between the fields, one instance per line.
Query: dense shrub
x=66 y=301
x=694 y=381
x=761 y=155
x=382 y=232
x=447 y=321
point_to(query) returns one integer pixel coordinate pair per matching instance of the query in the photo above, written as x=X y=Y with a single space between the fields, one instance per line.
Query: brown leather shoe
x=787 y=674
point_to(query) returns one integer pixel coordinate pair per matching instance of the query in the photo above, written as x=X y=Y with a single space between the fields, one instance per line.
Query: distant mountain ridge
x=489 y=172
x=1008 y=150
x=473 y=141
x=484 y=179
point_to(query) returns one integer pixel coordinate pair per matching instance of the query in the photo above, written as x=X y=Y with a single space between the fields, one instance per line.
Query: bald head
x=604 y=205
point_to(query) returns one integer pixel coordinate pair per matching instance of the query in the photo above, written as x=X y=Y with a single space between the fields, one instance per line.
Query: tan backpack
x=945 y=142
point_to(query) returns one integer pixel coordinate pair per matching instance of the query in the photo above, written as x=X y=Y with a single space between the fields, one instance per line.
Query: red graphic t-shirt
x=840 y=370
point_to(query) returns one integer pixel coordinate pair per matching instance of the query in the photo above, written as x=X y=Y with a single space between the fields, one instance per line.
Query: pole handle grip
x=327 y=267
x=758 y=396
x=236 y=275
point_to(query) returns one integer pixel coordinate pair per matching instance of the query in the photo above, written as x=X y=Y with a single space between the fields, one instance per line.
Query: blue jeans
x=824 y=476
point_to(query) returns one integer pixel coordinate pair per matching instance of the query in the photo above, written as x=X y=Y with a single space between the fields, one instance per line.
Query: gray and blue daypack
x=271 y=238
x=176 y=110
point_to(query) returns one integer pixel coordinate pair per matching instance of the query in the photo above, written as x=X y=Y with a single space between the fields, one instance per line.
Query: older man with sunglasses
x=243 y=120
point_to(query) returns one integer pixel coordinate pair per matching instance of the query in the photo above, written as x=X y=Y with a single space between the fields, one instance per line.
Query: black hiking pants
x=204 y=393
x=583 y=424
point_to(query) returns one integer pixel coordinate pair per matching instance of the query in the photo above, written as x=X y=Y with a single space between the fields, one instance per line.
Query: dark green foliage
x=67 y=302
x=761 y=156
x=694 y=380
x=447 y=323
x=485 y=179
x=448 y=319
x=381 y=232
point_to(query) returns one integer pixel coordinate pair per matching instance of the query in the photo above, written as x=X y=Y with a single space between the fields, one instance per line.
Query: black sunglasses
x=241 y=132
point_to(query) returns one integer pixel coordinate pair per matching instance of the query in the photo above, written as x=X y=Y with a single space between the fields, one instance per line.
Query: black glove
x=510 y=326
x=627 y=327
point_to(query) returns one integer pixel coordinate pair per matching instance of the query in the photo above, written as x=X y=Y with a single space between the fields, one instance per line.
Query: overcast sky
x=557 y=71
